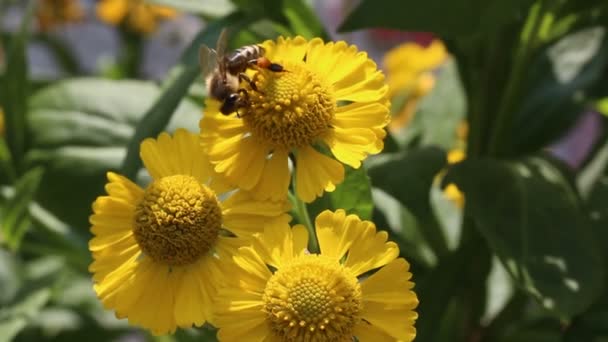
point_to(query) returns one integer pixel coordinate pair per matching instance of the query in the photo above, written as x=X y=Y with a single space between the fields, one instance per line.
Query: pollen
x=312 y=298
x=291 y=109
x=177 y=221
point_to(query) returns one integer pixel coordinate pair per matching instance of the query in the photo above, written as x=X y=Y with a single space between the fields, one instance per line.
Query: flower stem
x=301 y=213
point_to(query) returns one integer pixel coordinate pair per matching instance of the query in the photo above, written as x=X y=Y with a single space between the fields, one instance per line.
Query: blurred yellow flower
x=136 y=15
x=451 y=191
x=51 y=13
x=332 y=98
x=159 y=252
x=409 y=69
x=279 y=291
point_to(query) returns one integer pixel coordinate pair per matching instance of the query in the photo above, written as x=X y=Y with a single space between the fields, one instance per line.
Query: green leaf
x=158 y=115
x=354 y=195
x=443 y=109
x=14 y=89
x=269 y=9
x=209 y=8
x=15 y=220
x=79 y=131
x=302 y=19
x=555 y=88
x=445 y=18
x=532 y=219
x=408 y=176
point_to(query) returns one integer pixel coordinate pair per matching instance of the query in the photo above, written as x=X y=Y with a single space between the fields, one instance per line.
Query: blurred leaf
x=209 y=8
x=302 y=19
x=158 y=115
x=15 y=216
x=555 y=88
x=9 y=279
x=443 y=109
x=269 y=9
x=354 y=195
x=444 y=18
x=587 y=178
x=602 y=106
x=532 y=219
x=14 y=318
x=79 y=131
x=408 y=176
x=14 y=88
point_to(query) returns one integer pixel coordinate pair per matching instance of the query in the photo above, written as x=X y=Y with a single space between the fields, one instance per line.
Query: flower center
x=291 y=109
x=177 y=221
x=312 y=298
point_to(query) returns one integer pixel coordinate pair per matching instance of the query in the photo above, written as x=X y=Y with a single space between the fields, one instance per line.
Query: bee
x=225 y=72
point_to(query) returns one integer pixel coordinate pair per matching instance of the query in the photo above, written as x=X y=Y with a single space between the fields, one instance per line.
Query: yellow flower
x=329 y=107
x=158 y=252
x=281 y=292
x=409 y=69
x=51 y=13
x=137 y=15
x=451 y=191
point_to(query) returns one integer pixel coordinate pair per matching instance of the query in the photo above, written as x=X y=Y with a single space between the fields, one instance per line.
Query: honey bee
x=224 y=72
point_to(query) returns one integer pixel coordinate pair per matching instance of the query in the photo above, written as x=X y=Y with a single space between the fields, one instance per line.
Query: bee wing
x=222 y=42
x=207 y=59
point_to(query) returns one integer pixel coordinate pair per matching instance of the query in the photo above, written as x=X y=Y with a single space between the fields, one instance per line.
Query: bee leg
x=244 y=77
x=244 y=100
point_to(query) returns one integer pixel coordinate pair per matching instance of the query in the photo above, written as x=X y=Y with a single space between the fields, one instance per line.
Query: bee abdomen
x=238 y=58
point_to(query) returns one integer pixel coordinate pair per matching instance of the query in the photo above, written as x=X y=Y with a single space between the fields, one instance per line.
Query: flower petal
x=370 y=250
x=112 y=11
x=275 y=246
x=274 y=182
x=300 y=238
x=351 y=146
x=243 y=215
x=286 y=49
x=371 y=89
x=180 y=154
x=335 y=232
x=367 y=332
x=316 y=173
x=391 y=285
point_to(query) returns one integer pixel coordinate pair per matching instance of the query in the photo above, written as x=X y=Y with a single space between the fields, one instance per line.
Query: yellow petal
x=193 y=298
x=253 y=273
x=253 y=328
x=316 y=173
x=275 y=246
x=112 y=11
x=371 y=250
x=362 y=115
x=243 y=215
x=367 y=332
x=154 y=309
x=242 y=163
x=391 y=285
x=274 y=182
x=121 y=187
x=180 y=154
x=335 y=232
x=300 y=238
x=351 y=146
x=372 y=89
x=286 y=49
x=393 y=320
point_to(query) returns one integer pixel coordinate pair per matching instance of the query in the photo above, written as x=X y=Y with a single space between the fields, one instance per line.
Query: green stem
x=499 y=140
x=303 y=217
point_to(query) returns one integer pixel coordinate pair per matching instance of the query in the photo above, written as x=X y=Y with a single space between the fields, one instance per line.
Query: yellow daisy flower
x=158 y=251
x=281 y=292
x=451 y=191
x=51 y=13
x=329 y=107
x=135 y=14
x=409 y=68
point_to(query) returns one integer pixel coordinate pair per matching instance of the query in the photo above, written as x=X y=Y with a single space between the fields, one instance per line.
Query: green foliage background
x=525 y=261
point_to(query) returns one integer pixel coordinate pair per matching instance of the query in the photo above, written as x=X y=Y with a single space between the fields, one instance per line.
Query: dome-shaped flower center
x=177 y=221
x=291 y=109
x=312 y=298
